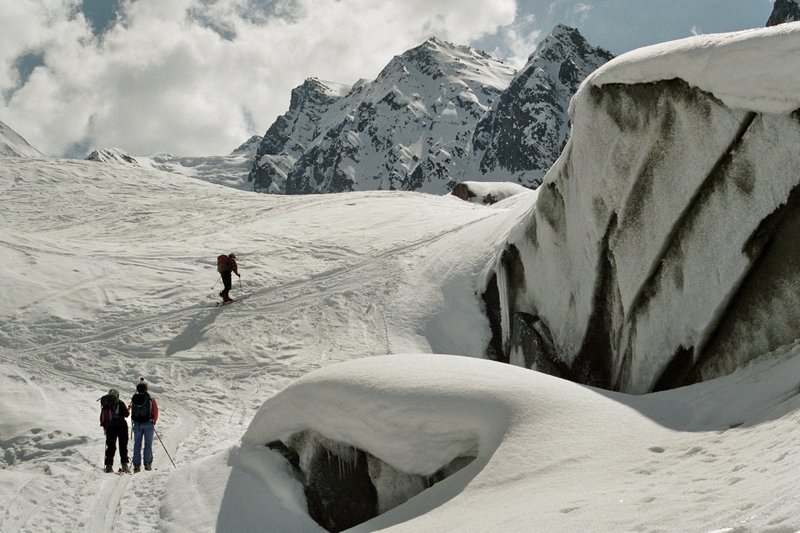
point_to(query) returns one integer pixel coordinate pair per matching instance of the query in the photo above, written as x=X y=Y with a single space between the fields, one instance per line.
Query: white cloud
x=163 y=80
x=514 y=42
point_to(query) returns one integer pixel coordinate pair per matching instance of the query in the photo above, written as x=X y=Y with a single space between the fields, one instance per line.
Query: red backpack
x=109 y=409
x=222 y=263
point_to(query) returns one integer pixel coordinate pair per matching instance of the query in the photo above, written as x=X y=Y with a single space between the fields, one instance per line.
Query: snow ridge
x=12 y=144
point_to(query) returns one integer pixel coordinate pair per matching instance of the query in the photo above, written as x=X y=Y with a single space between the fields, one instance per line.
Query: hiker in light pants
x=144 y=414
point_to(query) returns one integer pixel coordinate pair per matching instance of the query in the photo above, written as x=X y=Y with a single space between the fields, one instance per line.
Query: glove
x=238 y=274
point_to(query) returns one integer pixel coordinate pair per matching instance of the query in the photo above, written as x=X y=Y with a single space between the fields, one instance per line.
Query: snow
x=119 y=288
x=349 y=305
x=12 y=144
x=641 y=187
x=756 y=70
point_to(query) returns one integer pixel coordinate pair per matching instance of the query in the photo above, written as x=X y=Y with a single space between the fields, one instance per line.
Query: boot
x=148 y=467
x=109 y=469
x=136 y=468
x=125 y=468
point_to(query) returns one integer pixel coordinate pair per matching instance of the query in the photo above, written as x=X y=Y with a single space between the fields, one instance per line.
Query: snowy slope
x=661 y=248
x=109 y=275
x=98 y=295
x=12 y=144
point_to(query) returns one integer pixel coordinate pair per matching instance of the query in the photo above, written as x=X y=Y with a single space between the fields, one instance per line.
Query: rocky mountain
x=784 y=11
x=292 y=133
x=416 y=126
x=12 y=144
x=528 y=125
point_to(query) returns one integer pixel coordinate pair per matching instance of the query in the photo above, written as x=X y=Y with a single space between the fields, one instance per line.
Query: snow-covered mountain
x=416 y=126
x=784 y=11
x=12 y=144
x=228 y=170
x=112 y=155
x=662 y=247
x=523 y=134
x=408 y=129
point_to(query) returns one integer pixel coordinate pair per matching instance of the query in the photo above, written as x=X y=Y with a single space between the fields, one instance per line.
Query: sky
x=199 y=77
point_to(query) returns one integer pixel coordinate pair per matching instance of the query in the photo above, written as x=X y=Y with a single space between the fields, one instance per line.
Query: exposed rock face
x=658 y=252
x=528 y=125
x=784 y=11
x=291 y=134
x=12 y=144
x=416 y=126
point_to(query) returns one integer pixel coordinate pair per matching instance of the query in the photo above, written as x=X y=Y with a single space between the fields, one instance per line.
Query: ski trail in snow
x=106 y=507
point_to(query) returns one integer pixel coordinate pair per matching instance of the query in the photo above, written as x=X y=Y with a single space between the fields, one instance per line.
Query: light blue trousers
x=143 y=431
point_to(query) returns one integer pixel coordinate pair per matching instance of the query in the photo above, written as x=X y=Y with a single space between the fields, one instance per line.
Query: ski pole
x=241 y=293
x=165 y=448
x=215 y=283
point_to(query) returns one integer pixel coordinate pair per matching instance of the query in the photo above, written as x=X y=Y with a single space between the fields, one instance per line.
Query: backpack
x=141 y=407
x=222 y=263
x=109 y=409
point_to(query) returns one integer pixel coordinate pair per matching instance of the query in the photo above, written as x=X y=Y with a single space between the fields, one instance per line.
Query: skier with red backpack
x=225 y=265
x=144 y=414
x=112 y=418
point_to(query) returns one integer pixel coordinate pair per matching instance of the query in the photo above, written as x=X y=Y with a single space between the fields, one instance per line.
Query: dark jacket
x=138 y=399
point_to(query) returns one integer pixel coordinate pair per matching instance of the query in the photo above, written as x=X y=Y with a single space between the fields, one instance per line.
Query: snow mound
x=754 y=70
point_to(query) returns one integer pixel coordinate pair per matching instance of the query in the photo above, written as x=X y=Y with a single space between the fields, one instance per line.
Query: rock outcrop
x=784 y=11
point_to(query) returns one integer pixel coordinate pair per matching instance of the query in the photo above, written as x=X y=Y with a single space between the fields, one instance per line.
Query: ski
x=220 y=304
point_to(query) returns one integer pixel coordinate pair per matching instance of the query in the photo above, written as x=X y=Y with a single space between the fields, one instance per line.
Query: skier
x=144 y=414
x=225 y=265
x=112 y=418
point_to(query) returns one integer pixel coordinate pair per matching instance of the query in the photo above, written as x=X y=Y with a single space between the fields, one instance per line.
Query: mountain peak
x=14 y=145
x=112 y=155
x=784 y=11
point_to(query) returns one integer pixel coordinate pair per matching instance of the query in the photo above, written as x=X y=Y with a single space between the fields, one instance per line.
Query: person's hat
x=232 y=255
x=141 y=386
x=114 y=393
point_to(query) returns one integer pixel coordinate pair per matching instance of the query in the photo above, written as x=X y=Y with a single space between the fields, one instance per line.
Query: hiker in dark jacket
x=144 y=414
x=112 y=417
x=226 y=265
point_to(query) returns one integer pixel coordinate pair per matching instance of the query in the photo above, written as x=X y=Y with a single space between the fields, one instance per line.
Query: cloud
x=192 y=76
x=514 y=42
